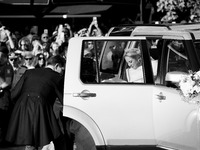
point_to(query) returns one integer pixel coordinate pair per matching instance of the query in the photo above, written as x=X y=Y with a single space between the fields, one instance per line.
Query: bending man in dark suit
x=33 y=122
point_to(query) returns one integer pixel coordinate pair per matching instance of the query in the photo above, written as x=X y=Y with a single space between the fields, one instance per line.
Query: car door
x=176 y=121
x=121 y=111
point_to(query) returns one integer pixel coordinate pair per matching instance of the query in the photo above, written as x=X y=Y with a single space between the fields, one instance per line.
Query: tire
x=82 y=138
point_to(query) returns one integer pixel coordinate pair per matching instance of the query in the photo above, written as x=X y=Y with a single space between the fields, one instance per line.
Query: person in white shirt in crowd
x=37 y=46
x=6 y=38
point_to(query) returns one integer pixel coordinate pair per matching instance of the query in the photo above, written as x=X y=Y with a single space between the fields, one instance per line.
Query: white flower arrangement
x=190 y=87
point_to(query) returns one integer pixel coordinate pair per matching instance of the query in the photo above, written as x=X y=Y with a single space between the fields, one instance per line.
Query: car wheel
x=82 y=138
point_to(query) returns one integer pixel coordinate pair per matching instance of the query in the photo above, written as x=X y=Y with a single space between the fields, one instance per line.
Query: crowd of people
x=29 y=86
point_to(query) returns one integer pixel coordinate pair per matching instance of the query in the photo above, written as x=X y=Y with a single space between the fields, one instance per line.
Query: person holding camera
x=94 y=29
x=6 y=38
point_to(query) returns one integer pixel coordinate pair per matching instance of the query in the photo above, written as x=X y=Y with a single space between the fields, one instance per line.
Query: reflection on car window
x=88 y=63
x=112 y=56
x=111 y=61
x=178 y=60
x=89 y=50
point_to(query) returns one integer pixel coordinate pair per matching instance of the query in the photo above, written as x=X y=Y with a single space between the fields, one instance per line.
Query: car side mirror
x=172 y=78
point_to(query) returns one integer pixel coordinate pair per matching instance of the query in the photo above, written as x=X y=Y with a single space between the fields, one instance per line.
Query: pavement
x=11 y=147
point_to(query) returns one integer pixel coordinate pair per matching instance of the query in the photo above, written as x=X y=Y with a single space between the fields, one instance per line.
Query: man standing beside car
x=33 y=122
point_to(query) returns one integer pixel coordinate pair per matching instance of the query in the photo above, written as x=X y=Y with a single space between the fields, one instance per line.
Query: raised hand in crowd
x=6 y=38
x=94 y=29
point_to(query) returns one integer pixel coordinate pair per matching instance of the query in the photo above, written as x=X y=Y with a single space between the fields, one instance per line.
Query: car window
x=113 y=61
x=178 y=63
x=197 y=47
x=177 y=57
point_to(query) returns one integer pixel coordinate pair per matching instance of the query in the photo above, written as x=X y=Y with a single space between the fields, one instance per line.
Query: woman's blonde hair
x=132 y=52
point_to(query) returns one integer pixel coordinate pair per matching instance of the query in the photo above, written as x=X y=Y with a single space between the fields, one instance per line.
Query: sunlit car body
x=125 y=115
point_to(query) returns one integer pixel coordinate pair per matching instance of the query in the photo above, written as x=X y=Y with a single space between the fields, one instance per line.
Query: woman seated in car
x=134 y=72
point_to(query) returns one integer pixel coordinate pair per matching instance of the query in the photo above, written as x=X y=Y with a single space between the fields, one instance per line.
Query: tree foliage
x=179 y=10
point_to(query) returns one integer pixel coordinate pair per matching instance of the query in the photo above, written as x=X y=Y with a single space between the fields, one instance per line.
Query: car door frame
x=167 y=109
x=73 y=108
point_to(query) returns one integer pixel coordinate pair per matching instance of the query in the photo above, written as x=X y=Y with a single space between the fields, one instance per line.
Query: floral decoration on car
x=189 y=86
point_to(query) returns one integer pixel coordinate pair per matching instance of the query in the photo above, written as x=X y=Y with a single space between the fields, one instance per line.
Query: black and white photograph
x=99 y=74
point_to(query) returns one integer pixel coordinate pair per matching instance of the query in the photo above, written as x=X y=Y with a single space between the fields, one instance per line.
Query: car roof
x=173 y=26
x=171 y=34
x=185 y=26
x=127 y=29
x=151 y=29
x=193 y=28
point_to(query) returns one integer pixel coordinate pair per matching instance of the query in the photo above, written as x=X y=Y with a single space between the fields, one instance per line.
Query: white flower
x=196 y=88
x=190 y=86
x=198 y=73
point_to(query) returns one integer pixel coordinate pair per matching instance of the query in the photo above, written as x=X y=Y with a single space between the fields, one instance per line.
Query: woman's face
x=41 y=60
x=54 y=49
x=131 y=61
x=24 y=45
x=90 y=45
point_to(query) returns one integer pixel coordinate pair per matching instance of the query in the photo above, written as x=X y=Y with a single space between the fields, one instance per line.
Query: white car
x=119 y=114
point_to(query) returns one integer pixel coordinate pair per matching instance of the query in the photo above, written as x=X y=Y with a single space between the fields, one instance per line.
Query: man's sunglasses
x=28 y=58
x=12 y=59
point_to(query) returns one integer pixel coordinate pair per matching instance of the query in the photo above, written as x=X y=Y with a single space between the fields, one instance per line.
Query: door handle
x=85 y=94
x=160 y=96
